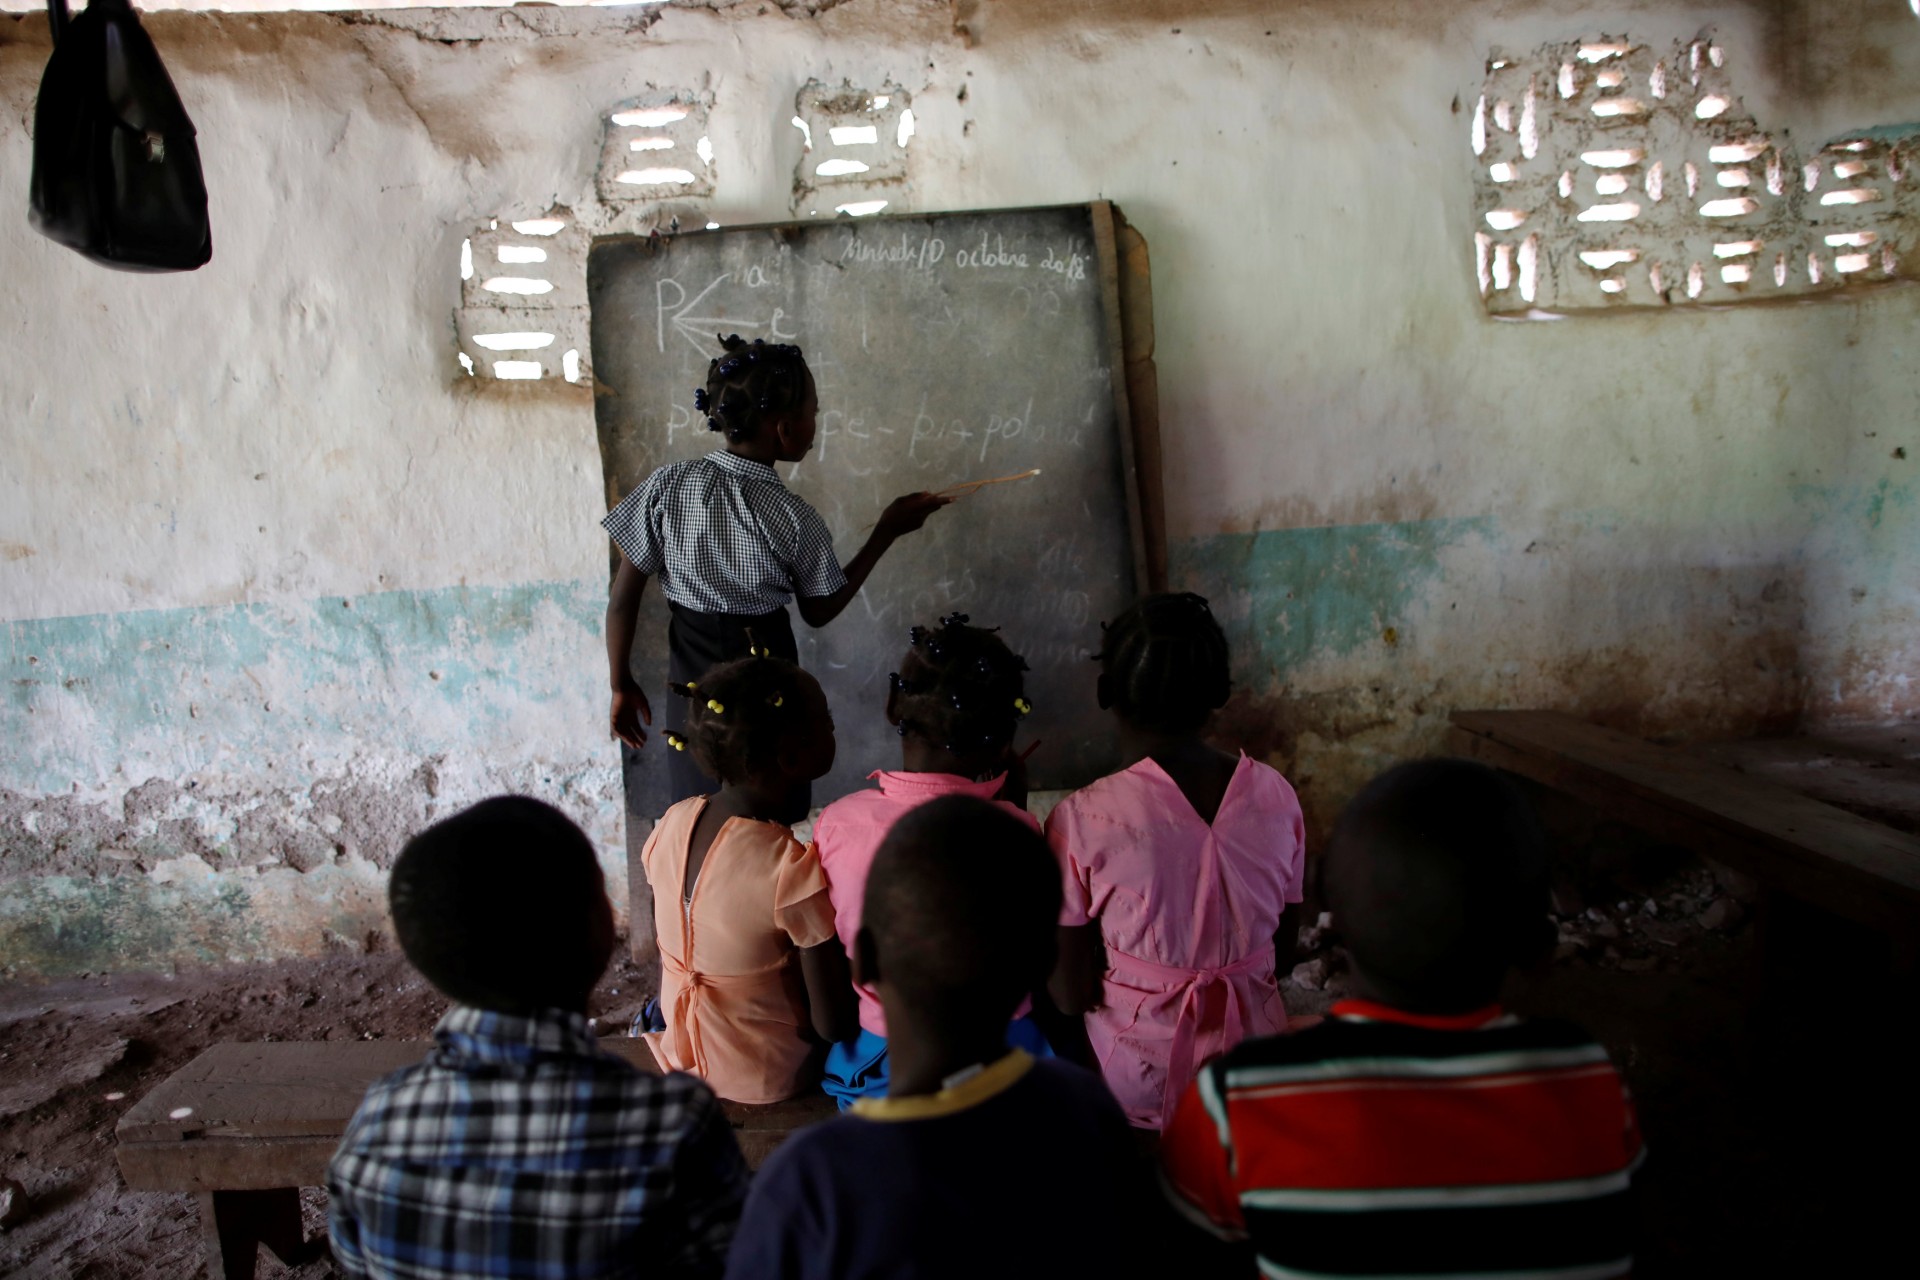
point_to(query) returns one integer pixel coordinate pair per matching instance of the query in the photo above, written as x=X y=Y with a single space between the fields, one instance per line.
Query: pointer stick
x=974 y=486
x=967 y=487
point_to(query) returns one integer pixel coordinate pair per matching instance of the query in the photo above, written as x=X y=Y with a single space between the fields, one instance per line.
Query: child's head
x=1437 y=878
x=761 y=393
x=960 y=910
x=961 y=691
x=760 y=721
x=1163 y=664
x=502 y=906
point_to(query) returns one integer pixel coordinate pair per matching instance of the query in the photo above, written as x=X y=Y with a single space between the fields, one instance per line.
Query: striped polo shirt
x=1383 y=1143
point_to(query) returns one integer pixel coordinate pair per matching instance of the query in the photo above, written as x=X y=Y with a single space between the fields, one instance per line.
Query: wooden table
x=1728 y=803
x=244 y=1126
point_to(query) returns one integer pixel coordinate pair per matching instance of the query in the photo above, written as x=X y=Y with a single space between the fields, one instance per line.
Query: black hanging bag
x=116 y=173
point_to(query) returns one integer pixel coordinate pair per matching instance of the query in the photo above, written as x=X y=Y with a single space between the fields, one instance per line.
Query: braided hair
x=1164 y=663
x=750 y=381
x=741 y=714
x=960 y=687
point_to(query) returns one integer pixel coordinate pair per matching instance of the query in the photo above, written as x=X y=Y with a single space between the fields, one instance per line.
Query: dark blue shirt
x=1025 y=1169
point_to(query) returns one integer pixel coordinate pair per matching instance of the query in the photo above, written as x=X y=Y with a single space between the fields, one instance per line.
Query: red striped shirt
x=1385 y=1143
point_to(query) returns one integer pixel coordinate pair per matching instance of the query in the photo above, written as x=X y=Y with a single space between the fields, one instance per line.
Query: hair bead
x=674 y=740
x=777 y=700
x=1024 y=707
x=686 y=690
x=714 y=705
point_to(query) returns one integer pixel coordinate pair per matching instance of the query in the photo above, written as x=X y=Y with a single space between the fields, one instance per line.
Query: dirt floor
x=1774 y=1102
x=76 y=1054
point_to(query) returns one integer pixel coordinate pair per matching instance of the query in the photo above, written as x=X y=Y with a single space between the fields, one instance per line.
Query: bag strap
x=57 y=19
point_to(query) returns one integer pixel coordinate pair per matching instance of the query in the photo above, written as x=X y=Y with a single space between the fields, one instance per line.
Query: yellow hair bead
x=1022 y=706
x=675 y=741
x=776 y=701
x=713 y=705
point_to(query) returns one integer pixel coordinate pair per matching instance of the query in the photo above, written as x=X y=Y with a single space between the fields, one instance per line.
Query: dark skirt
x=696 y=643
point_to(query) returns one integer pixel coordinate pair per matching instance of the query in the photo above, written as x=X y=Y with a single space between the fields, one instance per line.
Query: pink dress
x=848 y=835
x=1187 y=912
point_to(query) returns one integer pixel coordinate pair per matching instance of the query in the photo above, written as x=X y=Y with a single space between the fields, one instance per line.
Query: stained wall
x=279 y=582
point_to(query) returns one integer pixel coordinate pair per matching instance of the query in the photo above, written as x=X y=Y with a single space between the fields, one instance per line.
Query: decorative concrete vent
x=523 y=295
x=657 y=149
x=1611 y=176
x=855 y=157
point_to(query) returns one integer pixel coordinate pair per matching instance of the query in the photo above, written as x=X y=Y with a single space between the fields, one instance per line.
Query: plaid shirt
x=518 y=1149
x=725 y=536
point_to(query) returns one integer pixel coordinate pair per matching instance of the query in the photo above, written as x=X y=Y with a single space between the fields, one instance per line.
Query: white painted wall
x=1683 y=522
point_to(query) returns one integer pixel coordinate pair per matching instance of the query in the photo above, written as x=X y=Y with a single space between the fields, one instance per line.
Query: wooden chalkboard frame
x=1123 y=276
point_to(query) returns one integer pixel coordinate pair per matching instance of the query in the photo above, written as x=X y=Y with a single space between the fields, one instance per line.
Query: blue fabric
x=858 y=1069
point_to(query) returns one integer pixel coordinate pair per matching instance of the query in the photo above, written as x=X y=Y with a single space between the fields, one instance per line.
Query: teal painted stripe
x=270 y=685
x=1878 y=133
x=1324 y=591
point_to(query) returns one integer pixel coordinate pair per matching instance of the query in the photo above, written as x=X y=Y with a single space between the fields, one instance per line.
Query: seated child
x=1186 y=867
x=1419 y=1130
x=518 y=1148
x=735 y=895
x=981 y=1160
x=956 y=701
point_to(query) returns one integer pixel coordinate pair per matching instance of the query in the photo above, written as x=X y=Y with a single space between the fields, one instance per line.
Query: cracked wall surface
x=278 y=582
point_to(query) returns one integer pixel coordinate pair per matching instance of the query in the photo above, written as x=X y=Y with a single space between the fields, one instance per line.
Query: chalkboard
x=946 y=348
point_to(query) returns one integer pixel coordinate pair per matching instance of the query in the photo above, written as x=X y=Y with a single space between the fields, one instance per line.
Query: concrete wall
x=278 y=583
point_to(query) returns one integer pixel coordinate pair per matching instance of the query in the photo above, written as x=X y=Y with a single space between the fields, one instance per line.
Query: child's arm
x=1067 y=1034
x=1075 y=984
x=623 y=617
x=830 y=998
x=1286 y=939
x=902 y=516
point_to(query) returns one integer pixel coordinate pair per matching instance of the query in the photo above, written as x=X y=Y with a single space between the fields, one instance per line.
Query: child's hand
x=629 y=709
x=906 y=514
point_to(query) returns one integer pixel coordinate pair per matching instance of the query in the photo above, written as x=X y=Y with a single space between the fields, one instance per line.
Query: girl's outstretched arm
x=630 y=706
x=902 y=516
x=830 y=998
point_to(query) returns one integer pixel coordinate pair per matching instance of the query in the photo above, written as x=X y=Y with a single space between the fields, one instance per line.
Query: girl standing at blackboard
x=731 y=544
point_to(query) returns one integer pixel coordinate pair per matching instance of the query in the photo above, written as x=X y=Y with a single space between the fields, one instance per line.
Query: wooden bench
x=1792 y=844
x=244 y=1126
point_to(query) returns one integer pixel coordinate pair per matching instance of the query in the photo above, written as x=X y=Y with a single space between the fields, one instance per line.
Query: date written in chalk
x=926 y=252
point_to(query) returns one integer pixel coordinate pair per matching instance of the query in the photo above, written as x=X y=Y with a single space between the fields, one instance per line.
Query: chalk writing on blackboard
x=945 y=349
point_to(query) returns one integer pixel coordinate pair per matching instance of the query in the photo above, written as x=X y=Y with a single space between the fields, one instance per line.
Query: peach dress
x=732 y=998
x=1187 y=910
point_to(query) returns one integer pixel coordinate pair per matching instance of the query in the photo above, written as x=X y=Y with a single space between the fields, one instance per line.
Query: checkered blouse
x=724 y=535
x=518 y=1149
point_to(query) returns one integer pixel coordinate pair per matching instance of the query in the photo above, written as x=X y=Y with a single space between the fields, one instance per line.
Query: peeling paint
x=1327 y=591
x=283 y=686
x=279 y=584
